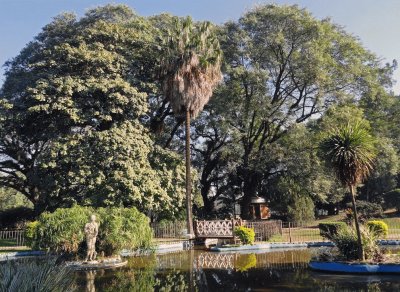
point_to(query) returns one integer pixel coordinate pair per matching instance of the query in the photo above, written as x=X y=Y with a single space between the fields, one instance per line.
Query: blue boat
x=355 y=268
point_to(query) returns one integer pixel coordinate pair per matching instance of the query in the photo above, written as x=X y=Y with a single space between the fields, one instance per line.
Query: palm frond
x=350 y=151
x=42 y=274
x=190 y=66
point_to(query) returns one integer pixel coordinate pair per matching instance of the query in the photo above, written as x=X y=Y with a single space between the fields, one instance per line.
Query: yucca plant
x=34 y=275
x=350 y=151
x=190 y=71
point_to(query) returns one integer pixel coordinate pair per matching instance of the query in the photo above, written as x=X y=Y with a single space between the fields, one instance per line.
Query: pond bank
x=267 y=245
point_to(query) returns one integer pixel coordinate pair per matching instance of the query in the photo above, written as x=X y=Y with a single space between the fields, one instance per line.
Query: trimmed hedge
x=378 y=228
x=246 y=235
x=330 y=229
x=119 y=228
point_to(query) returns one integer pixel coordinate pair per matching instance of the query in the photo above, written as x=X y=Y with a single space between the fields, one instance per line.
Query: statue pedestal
x=107 y=263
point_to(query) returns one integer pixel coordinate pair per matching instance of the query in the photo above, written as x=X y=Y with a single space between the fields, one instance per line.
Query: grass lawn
x=310 y=231
x=10 y=245
x=7 y=242
x=20 y=248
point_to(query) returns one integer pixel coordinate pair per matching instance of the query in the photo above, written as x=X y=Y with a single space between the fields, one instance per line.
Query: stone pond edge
x=166 y=248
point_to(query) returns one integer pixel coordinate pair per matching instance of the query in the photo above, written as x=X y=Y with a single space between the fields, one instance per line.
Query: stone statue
x=91 y=231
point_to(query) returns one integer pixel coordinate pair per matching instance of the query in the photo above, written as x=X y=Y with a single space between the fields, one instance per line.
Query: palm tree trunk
x=188 y=179
x=359 y=241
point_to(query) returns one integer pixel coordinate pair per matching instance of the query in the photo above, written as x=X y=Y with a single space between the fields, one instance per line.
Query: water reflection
x=204 y=271
x=90 y=276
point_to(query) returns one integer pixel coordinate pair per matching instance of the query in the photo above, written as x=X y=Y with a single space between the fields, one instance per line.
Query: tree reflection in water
x=205 y=271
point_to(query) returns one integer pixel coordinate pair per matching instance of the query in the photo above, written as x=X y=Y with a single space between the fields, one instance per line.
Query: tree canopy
x=73 y=109
x=86 y=118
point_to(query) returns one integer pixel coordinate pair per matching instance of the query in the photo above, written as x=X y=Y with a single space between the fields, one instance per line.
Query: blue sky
x=376 y=23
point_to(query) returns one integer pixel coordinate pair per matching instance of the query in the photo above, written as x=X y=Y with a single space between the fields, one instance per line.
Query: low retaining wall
x=15 y=254
x=287 y=245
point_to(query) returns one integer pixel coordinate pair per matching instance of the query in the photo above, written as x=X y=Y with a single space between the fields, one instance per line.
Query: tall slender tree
x=190 y=71
x=350 y=151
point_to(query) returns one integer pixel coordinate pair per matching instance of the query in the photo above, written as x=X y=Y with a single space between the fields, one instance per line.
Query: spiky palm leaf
x=43 y=274
x=190 y=68
x=350 y=151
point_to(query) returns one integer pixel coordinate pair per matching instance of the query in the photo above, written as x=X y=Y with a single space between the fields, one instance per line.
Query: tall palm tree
x=190 y=71
x=350 y=151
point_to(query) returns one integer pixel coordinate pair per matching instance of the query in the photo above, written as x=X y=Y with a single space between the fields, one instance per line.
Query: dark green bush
x=16 y=217
x=379 y=228
x=123 y=228
x=120 y=228
x=301 y=209
x=367 y=210
x=246 y=235
x=329 y=229
x=62 y=231
x=346 y=242
x=392 y=199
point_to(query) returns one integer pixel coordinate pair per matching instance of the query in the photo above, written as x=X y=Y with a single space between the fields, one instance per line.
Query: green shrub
x=330 y=229
x=123 y=228
x=30 y=232
x=15 y=218
x=371 y=248
x=346 y=242
x=392 y=199
x=367 y=210
x=120 y=228
x=301 y=209
x=246 y=235
x=379 y=228
x=62 y=231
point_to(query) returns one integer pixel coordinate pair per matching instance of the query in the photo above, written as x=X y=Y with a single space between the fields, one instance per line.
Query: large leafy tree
x=350 y=151
x=190 y=71
x=281 y=67
x=73 y=111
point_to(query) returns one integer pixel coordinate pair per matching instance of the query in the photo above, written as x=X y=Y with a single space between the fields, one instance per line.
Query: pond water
x=198 y=270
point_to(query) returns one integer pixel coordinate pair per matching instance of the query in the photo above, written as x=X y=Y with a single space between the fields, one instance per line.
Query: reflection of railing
x=215 y=261
x=273 y=260
x=10 y=238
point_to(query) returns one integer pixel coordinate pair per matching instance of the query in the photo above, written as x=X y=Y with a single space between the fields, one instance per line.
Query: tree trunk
x=250 y=184
x=208 y=202
x=360 y=246
x=188 y=179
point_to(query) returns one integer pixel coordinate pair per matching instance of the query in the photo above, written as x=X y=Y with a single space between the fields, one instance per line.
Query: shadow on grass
x=8 y=242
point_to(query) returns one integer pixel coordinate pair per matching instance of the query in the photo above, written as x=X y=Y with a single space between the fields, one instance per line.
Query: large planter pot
x=355 y=268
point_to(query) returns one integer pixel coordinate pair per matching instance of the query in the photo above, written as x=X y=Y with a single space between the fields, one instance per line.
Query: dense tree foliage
x=73 y=117
x=282 y=67
x=86 y=114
